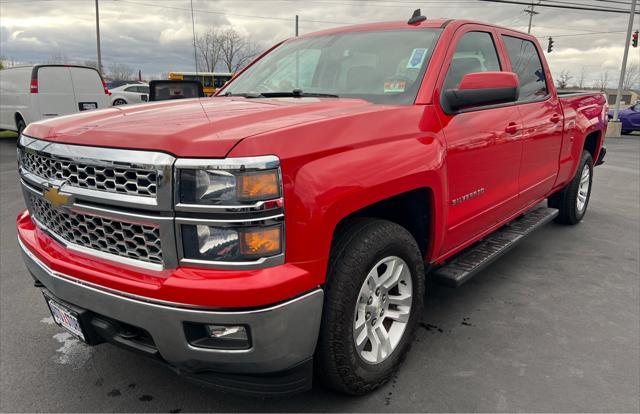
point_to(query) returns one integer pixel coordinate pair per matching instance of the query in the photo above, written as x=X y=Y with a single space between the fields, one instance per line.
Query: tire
x=20 y=125
x=626 y=132
x=572 y=211
x=119 y=102
x=362 y=246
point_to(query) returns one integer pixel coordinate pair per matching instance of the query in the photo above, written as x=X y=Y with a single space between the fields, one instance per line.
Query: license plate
x=66 y=318
x=87 y=106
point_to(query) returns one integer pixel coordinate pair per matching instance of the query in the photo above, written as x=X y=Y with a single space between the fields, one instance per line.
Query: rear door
x=542 y=119
x=483 y=144
x=55 y=92
x=89 y=92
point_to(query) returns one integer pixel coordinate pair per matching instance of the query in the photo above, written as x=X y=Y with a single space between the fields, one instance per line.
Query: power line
x=557 y=6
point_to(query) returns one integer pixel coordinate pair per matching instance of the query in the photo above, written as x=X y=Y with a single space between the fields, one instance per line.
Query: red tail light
x=34 y=86
x=106 y=90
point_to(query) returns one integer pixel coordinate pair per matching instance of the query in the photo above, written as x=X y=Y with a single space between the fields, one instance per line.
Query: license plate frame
x=87 y=106
x=66 y=318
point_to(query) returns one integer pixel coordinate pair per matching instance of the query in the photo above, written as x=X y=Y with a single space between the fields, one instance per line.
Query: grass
x=8 y=134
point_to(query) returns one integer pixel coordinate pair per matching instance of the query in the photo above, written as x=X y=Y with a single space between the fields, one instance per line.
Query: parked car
x=291 y=223
x=32 y=93
x=629 y=117
x=128 y=94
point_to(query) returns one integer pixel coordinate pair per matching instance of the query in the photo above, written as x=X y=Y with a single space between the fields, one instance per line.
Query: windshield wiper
x=245 y=95
x=298 y=93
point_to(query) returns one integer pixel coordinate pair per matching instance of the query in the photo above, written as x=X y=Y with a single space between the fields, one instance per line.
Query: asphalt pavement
x=553 y=326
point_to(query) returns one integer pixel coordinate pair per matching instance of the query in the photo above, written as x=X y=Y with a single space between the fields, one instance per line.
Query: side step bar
x=478 y=256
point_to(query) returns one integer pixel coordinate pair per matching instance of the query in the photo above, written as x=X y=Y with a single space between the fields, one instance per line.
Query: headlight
x=230 y=211
x=227 y=185
x=223 y=244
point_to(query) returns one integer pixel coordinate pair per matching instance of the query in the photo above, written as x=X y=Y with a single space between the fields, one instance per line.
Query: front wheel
x=572 y=201
x=374 y=301
x=119 y=102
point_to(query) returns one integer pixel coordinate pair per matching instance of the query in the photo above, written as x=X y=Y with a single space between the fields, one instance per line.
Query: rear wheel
x=573 y=200
x=374 y=300
x=20 y=125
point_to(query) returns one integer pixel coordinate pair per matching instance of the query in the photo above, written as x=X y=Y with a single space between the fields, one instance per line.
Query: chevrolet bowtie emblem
x=56 y=198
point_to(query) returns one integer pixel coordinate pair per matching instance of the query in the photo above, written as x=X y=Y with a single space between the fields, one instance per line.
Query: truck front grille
x=134 y=241
x=94 y=177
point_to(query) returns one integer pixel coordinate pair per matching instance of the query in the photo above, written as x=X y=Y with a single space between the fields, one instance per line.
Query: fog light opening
x=217 y=336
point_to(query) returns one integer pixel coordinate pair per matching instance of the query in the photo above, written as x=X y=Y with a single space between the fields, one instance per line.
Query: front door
x=484 y=146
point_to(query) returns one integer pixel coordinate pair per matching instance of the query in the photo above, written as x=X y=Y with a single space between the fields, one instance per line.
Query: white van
x=32 y=93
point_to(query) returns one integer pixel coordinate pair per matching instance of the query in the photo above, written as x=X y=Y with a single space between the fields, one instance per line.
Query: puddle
x=72 y=352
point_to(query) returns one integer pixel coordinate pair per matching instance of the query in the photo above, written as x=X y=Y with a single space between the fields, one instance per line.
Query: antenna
x=417 y=17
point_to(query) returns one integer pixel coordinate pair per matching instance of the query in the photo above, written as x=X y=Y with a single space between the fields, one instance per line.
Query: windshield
x=381 y=67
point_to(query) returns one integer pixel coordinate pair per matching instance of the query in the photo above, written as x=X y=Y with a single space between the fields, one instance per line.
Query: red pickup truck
x=289 y=225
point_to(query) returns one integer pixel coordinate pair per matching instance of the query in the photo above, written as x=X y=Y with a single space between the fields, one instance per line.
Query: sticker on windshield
x=417 y=57
x=394 y=86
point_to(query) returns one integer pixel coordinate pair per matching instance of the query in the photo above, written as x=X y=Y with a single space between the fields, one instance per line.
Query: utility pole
x=296 y=25
x=98 y=38
x=530 y=12
x=624 y=60
x=193 y=29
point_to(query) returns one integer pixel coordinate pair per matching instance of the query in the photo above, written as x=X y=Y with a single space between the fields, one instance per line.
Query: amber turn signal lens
x=261 y=242
x=258 y=186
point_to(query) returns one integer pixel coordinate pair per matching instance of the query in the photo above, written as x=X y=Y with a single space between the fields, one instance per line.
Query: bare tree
x=91 y=63
x=237 y=50
x=209 y=50
x=58 y=58
x=6 y=62
x=631 y=76
x=582 y=78
x=603 y=82
x=563 y=79
x=120 y=71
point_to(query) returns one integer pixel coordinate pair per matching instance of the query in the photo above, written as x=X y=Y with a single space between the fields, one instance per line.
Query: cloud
x=155 y=36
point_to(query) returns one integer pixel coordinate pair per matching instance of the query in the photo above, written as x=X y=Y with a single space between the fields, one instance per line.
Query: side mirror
x=480 y=89
x=162 y=90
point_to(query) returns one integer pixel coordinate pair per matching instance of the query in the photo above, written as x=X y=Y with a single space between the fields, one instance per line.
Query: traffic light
x=550 y=47
x=634 y=39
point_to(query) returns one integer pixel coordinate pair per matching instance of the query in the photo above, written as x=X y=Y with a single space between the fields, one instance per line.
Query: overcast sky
x=156 y=35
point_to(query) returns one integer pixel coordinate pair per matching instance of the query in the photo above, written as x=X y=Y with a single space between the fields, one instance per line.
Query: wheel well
x=410 y=210
x=591 y=143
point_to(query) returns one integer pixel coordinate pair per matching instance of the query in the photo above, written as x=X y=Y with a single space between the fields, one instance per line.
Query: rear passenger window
x=526 y=63
x=475 y=53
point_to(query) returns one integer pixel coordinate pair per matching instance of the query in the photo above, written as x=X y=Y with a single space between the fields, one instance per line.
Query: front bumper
x=283 y=336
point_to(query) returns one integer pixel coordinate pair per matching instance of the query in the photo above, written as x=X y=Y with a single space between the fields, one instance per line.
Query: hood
x=208 y=127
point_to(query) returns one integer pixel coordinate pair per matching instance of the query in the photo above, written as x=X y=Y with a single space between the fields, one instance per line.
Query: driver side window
x=475 y=52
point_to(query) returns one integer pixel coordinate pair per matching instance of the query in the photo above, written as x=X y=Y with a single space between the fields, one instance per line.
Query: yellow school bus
x=211 y=81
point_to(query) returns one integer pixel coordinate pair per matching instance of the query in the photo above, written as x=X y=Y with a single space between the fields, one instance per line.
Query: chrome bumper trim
x=282 y=335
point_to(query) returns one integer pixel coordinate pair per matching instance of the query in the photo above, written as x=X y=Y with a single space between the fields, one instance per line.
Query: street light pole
x=296 y=25
x=98 y=38
x=624 y=60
